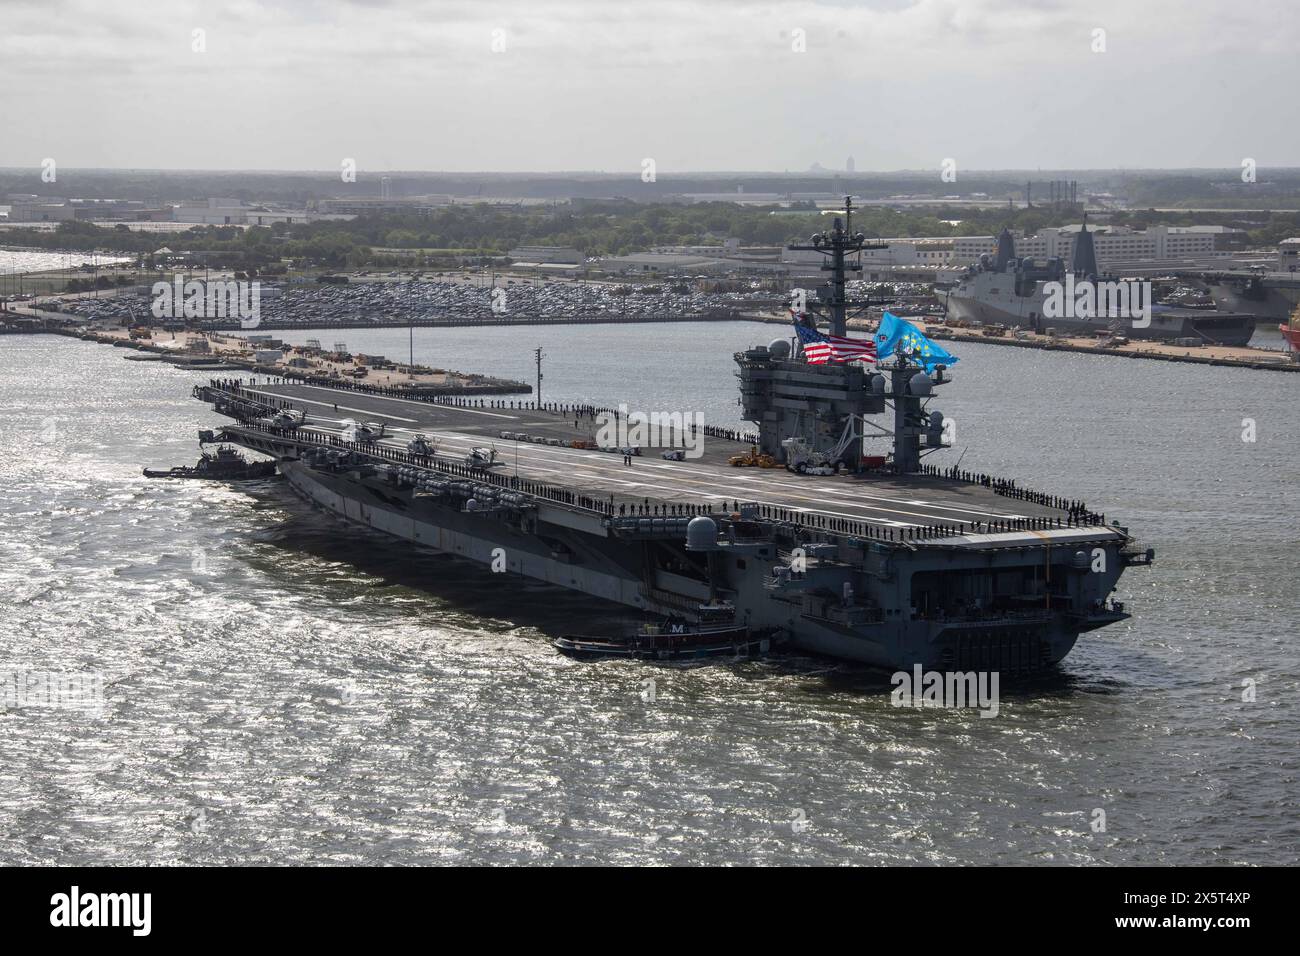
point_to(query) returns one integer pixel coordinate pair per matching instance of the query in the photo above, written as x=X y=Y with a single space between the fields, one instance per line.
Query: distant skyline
x=588 y=86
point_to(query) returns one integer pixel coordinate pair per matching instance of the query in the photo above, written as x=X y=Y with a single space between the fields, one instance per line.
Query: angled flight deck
x=887 y=501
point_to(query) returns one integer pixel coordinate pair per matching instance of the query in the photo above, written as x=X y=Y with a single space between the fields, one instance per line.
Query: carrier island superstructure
x=907 y=564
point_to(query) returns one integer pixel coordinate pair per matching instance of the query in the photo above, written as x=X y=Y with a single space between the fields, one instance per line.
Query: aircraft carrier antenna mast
x=538 y=354
x=837 y=244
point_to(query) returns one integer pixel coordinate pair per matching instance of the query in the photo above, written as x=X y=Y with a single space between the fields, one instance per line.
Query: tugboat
x=1291 y=332
x=673 y=640
x=225 y=464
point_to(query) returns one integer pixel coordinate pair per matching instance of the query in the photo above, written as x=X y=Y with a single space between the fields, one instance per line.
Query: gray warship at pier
x=1004 y=289
x=895 y=565
x=1270 y=295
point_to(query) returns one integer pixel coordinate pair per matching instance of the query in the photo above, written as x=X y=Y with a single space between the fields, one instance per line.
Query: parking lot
x=392 y=299
x=313 y=305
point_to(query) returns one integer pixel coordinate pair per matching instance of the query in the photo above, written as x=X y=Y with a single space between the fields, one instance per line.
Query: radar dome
x=778 y=348
x=701 y=534
x=919 y=384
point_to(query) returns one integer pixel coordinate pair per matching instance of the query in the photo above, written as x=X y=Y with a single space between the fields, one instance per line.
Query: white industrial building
x=369 y=205
x=668 y=263
x=215 y=212
x=1288 y=255
x=1114 y=244
x=535 y=255
x=933 y=253
x=42 y=211
x=938 y=257
x=233 y=212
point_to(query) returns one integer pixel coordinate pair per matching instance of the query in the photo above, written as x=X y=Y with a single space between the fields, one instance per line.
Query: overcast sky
x=592 y=85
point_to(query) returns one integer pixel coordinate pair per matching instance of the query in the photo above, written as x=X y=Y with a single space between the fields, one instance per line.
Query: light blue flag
x=895 y=334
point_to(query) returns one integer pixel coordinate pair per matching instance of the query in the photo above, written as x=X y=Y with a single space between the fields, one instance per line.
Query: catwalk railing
x=1076 y=511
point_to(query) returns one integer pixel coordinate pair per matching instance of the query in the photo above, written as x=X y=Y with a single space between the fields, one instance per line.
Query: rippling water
x=29 y=260
x=280 y=688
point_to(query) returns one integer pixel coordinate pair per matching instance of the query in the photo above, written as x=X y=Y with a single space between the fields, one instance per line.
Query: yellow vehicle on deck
x=753 y=459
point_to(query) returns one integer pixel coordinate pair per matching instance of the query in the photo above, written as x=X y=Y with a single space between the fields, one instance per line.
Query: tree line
x=594 y=228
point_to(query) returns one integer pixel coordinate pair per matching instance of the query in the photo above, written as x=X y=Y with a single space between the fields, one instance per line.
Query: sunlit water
x=283 y=688
x=30 y=260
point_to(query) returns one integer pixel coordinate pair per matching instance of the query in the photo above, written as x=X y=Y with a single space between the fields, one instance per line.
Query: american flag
x=819 y=349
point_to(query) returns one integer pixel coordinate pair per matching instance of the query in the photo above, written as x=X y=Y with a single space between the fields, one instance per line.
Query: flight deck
x=883 y=501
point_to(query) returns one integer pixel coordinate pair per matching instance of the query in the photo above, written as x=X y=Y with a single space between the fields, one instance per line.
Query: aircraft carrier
x=895 y=565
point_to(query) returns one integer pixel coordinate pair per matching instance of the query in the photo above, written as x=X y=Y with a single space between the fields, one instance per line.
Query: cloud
x=592 y=85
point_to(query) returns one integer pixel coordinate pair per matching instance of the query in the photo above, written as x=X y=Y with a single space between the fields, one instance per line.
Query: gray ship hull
x=1272 y=297
x=988 y=298
x=425 y=523
x=1231 y=330
x=615 y=572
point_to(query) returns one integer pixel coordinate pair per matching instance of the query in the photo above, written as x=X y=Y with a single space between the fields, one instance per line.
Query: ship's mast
x=838 y=244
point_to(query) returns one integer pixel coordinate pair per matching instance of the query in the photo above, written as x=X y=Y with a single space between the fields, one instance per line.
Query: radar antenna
x=837 y=244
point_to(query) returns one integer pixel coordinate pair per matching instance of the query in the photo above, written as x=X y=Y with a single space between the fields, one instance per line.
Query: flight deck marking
x=606 y=471
x=787 y=495
x=346 y=408
x=858 y=493
x=408 y=401
x=537 y=466
x=774 y=488
x=540 y=468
